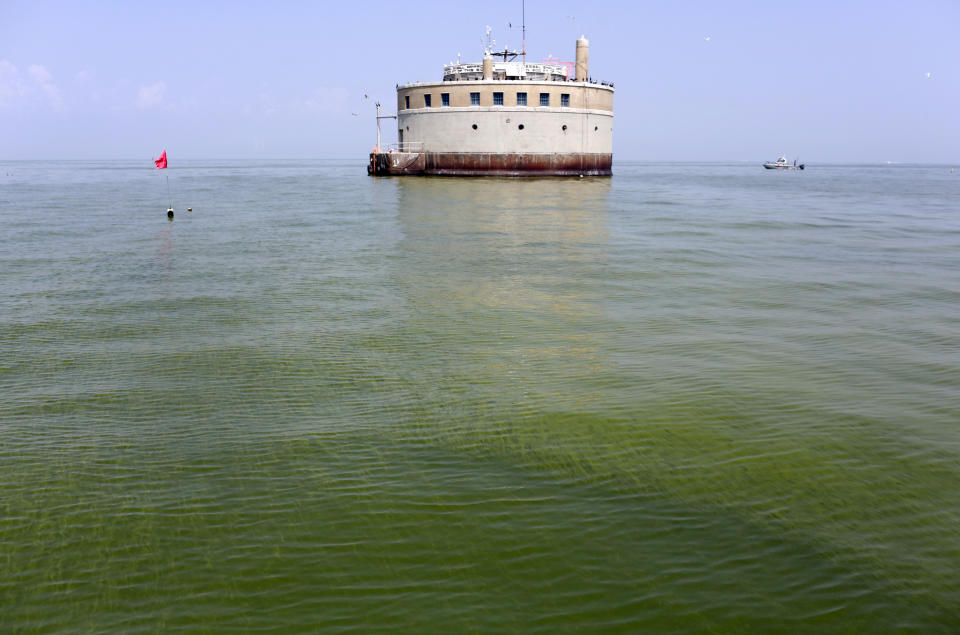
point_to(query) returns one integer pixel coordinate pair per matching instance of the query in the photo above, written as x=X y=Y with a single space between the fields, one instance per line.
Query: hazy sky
x=826 y=81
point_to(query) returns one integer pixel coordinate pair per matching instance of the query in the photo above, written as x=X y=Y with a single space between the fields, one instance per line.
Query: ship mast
x=523 y=18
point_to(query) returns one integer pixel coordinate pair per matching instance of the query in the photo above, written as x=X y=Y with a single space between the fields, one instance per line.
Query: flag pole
x=169 y=199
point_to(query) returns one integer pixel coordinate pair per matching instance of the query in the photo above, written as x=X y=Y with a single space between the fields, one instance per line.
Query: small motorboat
x=781 y=164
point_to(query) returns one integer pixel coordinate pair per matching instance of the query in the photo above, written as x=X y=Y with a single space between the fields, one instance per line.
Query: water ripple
x=327 y=402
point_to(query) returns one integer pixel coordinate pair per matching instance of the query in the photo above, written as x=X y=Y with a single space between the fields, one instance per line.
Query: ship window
x=498 y=99
x=595 y=128
x=520 y=127
x=406 y=101
x=564 y=100
x=474 y=99
x=544 y=99
x=521 y=99
x=426 y=100
x=474 y=126
x=564 y=127
x=445 y=100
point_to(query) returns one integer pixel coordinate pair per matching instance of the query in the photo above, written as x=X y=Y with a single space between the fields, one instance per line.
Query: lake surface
x=686 y=398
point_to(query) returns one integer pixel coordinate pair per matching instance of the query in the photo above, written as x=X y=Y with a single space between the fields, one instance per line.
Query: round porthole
x=520 y=127
x=408 y=128
x=564 y=127
x=474 y=126
x=595 y=128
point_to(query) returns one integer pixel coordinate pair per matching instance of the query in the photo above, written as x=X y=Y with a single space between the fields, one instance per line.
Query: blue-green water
x=686 y=398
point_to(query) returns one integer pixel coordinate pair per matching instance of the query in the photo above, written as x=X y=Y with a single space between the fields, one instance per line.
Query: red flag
x=162 y=161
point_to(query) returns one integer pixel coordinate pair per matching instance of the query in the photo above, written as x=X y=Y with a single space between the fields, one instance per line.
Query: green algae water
x=686 y=398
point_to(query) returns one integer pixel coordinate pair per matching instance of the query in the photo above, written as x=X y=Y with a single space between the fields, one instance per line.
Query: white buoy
x=170 y=213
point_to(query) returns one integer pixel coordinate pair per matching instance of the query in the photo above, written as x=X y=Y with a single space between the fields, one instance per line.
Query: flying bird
x=355 y=114
x=928 y=75
x=706 y=39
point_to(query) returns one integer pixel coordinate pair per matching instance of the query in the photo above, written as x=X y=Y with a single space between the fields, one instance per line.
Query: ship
x=502 y=117
x=781 y=164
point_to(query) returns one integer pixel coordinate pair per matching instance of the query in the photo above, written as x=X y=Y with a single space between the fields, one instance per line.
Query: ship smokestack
x=487 y=66
x=583 y=55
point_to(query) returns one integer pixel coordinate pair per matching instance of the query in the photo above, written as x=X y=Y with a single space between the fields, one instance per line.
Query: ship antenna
x=523 y=17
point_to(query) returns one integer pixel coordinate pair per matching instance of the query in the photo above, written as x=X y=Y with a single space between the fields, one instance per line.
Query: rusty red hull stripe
x=490 y=164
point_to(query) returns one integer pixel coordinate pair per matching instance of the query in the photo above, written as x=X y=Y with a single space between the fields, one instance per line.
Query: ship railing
x=406 y=146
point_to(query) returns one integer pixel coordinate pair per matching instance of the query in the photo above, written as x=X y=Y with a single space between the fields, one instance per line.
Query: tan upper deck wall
x=582 y=95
